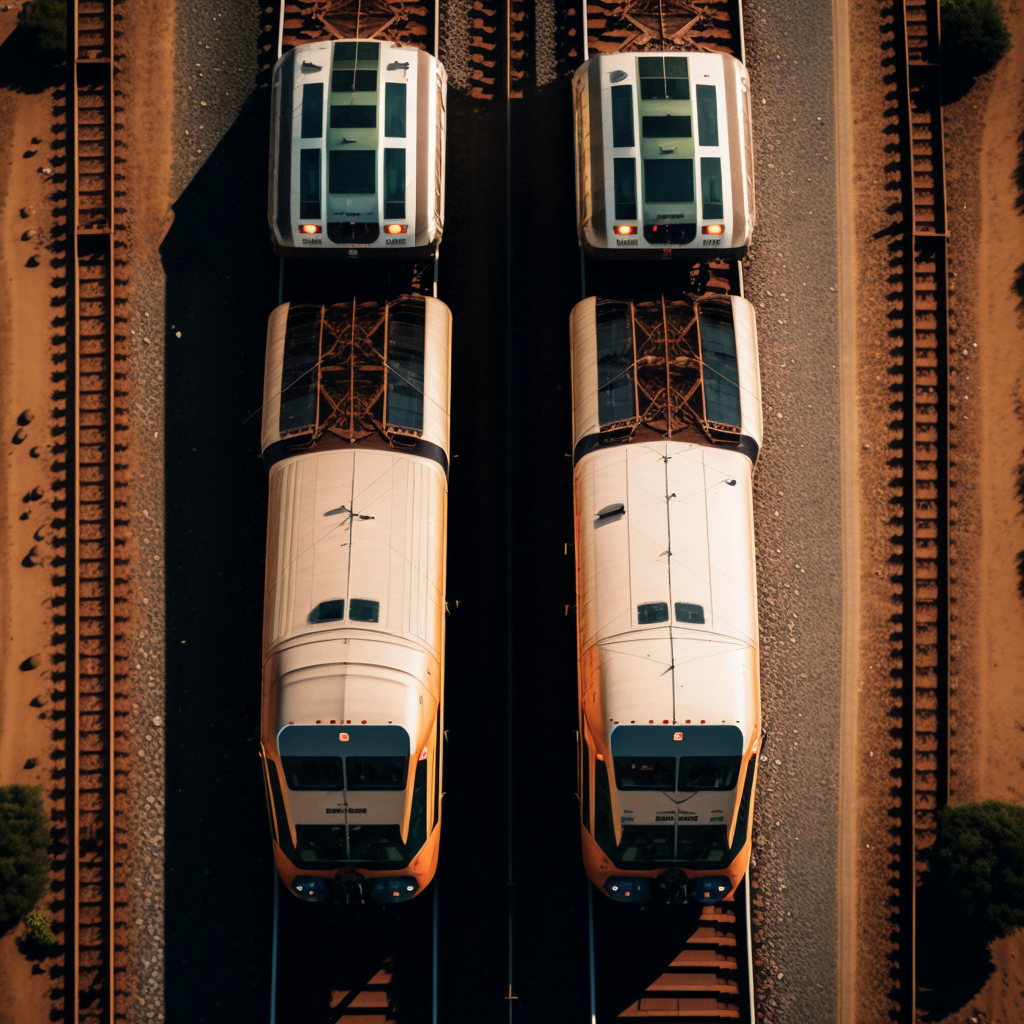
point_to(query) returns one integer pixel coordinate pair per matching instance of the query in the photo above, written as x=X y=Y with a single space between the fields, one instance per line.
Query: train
x=667 y=426
x=355 y=438
x=664 y=156
x=357 y=155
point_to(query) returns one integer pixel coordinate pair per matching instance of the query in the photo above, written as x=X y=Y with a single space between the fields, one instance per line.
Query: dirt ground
x=983 y=133
x=27 y=296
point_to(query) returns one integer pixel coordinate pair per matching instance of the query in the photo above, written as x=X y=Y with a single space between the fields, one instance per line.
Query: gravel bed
x=791 y=277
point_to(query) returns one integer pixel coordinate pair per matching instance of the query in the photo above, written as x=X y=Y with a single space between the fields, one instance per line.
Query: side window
x=622 y=115
x=327 y=611
x=625 y=188
x=707 y=115
x=656 y=611
x=604 y=831
x=585 y=758
x=712 y=204
x=313 y=111
x=309 y=184
x=438 y=740
x=363 y=611
x=394 y=110
x=394 y=183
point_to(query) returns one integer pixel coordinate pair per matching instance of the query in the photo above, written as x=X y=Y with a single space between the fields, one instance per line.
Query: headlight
x=394 y=890
x=710 y=890
x=628 y=890
x=310 y=888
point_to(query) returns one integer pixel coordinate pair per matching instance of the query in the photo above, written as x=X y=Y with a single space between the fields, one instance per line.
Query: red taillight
x=395 y=229
x=713 y=229
x=600 y=757
x=310 y=229
x=423 y=754
x=625 y=229
x=677 y=736
x=343 y=736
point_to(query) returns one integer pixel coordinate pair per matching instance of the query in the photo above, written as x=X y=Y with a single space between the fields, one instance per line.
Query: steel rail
x=926 y=666
x=91 y=988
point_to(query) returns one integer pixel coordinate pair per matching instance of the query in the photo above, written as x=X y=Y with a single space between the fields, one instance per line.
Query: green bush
x=24 y=862
x=47 y=22
x=979 y=862
x=40 y=932
x=974 y=36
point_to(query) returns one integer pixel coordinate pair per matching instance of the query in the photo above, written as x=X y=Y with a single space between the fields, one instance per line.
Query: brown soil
x=986 y=248
x=27 y=350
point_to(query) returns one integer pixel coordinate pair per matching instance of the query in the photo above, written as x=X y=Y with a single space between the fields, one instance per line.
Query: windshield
x=335 y=773
x=691 y=846
x=695 y=773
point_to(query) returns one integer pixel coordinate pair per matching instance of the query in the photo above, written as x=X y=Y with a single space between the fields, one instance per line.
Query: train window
x=376 y=843
x=707 y=773
x=327 y=611
x=376 y=772
x=664 y=78
x=712 y=205
x=404 y=404
x=585 y=758
x=645 y=773
x=363 y=611
x=625 y=188
x=353 y=115
x=298 y=382
x=707 y=115
x=721 y=372
x=656 y=611
x=309 y=184
x=354 y=67
x=622 y=115
x=323 y=773
x=701 y=846
x=616 y=397
x=418 y=812
x=313 y=111
x=352 y=173
x=739 y=837
x=394 y=110
x=394 y=183
x=667 y=126
x=604 y=832
x=668 y=181
x=689 y=612
x=644 y=844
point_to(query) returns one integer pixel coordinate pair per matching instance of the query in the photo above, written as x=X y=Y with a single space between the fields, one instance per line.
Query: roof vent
x=618 y=76
x=608 y=511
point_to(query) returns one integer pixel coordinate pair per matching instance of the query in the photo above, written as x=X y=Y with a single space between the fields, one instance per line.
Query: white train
x=666 y=433
x=357 y=150
x=664 y=157
x=355 y=437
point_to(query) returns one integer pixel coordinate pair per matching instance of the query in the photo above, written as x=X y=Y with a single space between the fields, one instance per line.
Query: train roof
x=369 y=374
x=356 y=549
x=623 y=354
x=667 y=591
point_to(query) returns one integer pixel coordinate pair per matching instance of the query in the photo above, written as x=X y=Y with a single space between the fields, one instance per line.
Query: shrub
x=24 y=862
x=974 y=37
x=979 y=861
x=40 y=932
x=47 y=22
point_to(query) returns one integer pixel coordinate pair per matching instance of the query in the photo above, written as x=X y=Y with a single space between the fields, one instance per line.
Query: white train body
x=357 y=150
x=353 y=646
x=667 y=624
x=664 y=155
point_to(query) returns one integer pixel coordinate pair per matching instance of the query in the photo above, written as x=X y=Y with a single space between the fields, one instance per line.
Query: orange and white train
x=667 y=427
x=355 y=438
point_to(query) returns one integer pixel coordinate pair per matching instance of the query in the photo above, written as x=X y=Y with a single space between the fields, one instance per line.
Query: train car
x=355 y=439
x=667 y=427
x=664 y=156
x=357 y=150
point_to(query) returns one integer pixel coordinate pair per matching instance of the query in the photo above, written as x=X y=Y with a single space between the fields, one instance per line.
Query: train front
x=357 y=150
x=667 y=425
x=664 y=156
x=355 y=439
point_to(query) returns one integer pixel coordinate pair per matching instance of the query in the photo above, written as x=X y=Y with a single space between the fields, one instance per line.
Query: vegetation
x=40 y=935
x=24 y=862
x=978 y=861
x=46 y=21
x=974 y=39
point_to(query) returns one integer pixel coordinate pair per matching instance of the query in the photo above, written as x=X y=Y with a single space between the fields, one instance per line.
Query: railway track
x=94 y=888
x=926 y=664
